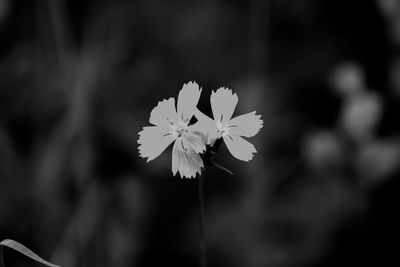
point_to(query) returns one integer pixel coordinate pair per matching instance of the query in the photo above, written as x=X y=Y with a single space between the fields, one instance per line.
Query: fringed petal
x=239 y=147
x=223 y=104
x=246 y=125
x=153 y=140
x=185 y=160
x=164 y=112
x=187 y=100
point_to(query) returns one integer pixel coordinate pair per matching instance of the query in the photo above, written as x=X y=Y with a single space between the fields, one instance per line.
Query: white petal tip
x=224 y=90
x=191 y=85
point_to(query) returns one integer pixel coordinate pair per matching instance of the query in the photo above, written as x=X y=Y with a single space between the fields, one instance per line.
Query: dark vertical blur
x=78 y=80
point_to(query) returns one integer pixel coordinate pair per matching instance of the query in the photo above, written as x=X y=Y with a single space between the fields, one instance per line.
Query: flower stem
x=203 y=245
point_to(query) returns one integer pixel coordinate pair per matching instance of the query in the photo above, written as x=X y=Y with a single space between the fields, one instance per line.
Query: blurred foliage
x=79 y=78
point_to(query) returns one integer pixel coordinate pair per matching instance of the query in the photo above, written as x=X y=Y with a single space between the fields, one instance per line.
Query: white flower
x=223 y=104
x=171 y=125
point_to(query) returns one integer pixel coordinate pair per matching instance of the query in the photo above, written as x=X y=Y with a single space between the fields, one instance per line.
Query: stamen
x=183 y=145
x=179 y=132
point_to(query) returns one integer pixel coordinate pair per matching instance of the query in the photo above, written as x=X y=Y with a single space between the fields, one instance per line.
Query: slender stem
x=203 y=245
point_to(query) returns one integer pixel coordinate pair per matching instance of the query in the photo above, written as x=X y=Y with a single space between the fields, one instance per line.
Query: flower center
x=222 y=128
x=179 y=132
x=180 y=129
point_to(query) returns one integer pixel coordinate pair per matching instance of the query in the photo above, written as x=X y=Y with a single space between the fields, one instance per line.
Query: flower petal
x=164 y=111
x=187 y=100
x=239 y=147
x=185 y=160
x=195 y=140
x=223 y=103
x=153 y=140
x=246 y=125
x=206 y=126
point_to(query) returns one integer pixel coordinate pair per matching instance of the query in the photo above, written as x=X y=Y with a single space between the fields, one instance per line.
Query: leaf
x=26 y=251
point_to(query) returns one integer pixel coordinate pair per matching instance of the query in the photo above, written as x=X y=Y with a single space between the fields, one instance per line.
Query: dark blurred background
x=78 y=80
